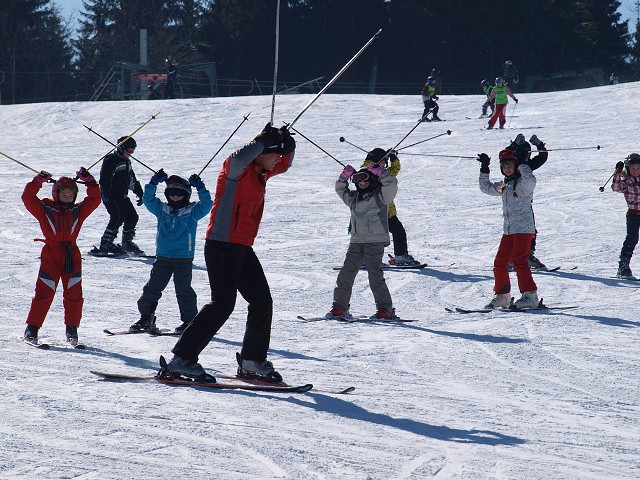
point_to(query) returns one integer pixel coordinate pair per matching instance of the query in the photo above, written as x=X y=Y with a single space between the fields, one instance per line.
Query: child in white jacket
x=516 y=190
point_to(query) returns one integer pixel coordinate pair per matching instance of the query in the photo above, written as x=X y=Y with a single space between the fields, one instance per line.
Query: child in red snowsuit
x=60 y=219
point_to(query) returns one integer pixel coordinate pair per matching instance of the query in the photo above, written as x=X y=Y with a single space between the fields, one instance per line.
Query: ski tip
x=347 y=390
x=108 y=332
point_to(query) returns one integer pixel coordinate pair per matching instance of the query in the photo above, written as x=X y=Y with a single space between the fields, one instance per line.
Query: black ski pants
x=631 y=240
x=399 y=236
x=121 y=213
x=232 y=268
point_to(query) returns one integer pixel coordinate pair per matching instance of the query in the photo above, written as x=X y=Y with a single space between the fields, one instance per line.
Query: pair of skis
x=229 y=383
x=356 y=319
x=47 y=346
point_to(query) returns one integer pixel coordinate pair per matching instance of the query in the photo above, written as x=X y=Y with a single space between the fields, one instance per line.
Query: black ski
x=356 y=319
x=40 y=346
x=509 y=309
x=214 y=385
x=162 y=332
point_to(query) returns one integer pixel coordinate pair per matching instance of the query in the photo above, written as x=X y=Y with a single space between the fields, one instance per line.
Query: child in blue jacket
x=175 y=243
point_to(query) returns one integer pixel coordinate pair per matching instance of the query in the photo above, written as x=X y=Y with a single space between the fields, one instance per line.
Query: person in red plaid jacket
x=627 y=180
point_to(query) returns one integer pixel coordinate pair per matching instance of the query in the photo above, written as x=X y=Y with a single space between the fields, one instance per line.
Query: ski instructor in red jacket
x=232 y=264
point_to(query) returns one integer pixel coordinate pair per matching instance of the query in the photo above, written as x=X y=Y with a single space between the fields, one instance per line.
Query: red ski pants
x=499 y=113
x=52 y=266
x=514 y=249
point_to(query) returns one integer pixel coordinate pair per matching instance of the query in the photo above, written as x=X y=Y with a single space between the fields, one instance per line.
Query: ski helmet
x=61 y=184
x=431 y=80
x=506 y=156
x=632 y=159
x=124 y=143
x=484 y=83
x=177 y=186
x=499 y=80
x=508 y=63
x=376 y=155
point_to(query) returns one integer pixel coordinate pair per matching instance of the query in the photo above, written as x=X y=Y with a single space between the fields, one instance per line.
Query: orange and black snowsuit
x=60 y=256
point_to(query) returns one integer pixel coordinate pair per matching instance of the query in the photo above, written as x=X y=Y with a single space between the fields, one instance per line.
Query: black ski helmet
x=61 y=184
x=124 y=143
x=177 y=186
x=376 y=155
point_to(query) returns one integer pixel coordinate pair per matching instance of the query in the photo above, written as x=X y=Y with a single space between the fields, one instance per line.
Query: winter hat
x=61 y=184
x=124 y=143
x=376 y=155
x=632 y=159
x=177 y=186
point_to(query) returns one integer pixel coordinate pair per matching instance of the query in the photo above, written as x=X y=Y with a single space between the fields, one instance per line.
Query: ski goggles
x=361 y=177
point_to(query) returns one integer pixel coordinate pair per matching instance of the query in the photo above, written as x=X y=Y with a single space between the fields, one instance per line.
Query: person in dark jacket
x=232 y=264
x=510 y=74
x=116 y=179
x=172 y=79
x=522 y=148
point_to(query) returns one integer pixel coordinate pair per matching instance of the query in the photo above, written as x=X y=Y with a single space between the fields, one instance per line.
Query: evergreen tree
x=36 y=53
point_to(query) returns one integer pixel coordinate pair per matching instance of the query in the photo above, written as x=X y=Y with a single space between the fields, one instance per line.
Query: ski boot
x=179 y=367
x=536 y=264
x=31 y=334
x=256 y=370
x=147 y=323
x=528 y=300
x=501 y=300
x=107 y=250
x=337 y=312
x=72 y=335
x=624 y=270
x=404 y=260
x=383 y=314
x=181 y=328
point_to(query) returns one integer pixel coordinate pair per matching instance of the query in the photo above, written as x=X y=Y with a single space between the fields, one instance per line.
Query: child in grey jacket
x=369 y=205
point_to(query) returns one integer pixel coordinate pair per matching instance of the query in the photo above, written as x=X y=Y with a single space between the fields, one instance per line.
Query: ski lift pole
x=335 y=77
x=448 y=132
x=244 y=119
x=114 y=145
x=342 y=139
x=275 y=66
x=153 y=117
x=18 y=162
x=316 y=145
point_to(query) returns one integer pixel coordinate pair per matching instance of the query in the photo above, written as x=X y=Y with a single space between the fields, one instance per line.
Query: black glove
x=535 y=140
x=196 y=181
x=519 y=139
x=137 y=189
x=484 y=160
x=435 y=97
x=619 y=167
x=515 y=100
x=139 y=202
x=158 y=177
x=392 y=157
x=288 y=143
x=268 y=136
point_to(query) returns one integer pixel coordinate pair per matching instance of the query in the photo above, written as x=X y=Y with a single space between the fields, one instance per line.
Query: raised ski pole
x=597 y=147
x=244 y=119
x=335 y=77
x=114 y=145
x=316 y=145
x=394 y=149
x=275 y=66
x=342 y=139
x=605 y=183
x=437 y=155
x=153 y=117
x=448 y=132
x=18 y=162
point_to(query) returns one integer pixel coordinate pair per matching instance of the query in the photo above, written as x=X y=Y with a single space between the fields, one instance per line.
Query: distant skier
x=510 y=74
x=172 y=78
x=516 y=190
x=499 y=94
x=369 y=229
x=429 y=98
x=626 y=180
x=487 y=88
x=60 y=219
